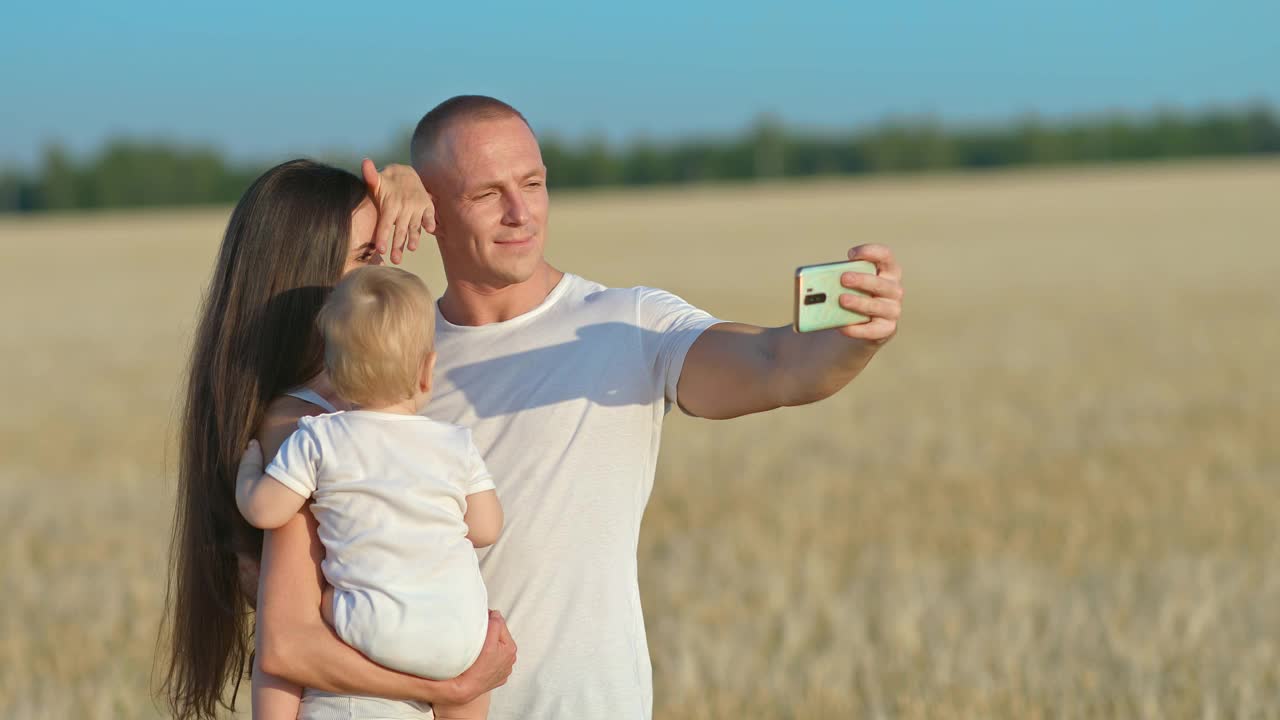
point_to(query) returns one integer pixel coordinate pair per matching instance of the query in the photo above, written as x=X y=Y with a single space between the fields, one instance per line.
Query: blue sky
x=263 y=80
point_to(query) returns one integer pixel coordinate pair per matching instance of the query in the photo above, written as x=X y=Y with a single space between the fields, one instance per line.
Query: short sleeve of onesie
x=297 y=463
x=478 y=477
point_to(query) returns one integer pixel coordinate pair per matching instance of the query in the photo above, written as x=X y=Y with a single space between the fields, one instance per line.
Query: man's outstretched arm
x=734 y=369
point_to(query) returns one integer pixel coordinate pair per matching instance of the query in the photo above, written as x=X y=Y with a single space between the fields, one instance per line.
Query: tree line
x=139 y=173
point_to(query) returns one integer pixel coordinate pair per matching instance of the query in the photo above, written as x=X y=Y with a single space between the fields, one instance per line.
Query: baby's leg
x=477 y=709
x=274 y=698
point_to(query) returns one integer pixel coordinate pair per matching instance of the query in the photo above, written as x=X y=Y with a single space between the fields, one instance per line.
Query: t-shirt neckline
x=551 y=299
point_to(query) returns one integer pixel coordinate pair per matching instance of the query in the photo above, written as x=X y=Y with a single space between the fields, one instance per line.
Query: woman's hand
x=404 y=207
x=492 y=668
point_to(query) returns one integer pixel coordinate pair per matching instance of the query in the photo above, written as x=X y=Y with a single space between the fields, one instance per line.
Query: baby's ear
x=428 y=368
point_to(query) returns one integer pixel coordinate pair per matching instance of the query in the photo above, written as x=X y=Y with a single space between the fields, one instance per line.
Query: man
x=564 y=385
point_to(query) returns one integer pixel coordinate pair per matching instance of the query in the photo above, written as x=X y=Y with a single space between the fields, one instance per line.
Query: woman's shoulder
x=281 y=419
x=287 y=408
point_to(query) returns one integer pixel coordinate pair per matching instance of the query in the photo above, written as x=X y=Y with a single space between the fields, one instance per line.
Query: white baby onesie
x=390 y=495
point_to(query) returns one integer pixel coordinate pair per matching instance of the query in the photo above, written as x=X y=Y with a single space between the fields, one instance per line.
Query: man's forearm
x=735 y=369
x=808 y=367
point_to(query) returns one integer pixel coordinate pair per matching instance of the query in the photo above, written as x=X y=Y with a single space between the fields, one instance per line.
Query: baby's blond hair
x=378 y=326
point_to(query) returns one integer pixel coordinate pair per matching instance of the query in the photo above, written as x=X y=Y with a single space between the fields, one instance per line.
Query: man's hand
x=883 y=302
x=734 y=369
x=492 y=668
x=404 y=208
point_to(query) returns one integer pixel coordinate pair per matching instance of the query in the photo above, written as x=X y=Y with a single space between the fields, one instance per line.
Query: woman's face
x=360 y=249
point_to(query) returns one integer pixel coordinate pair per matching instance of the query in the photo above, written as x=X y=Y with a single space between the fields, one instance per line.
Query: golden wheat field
x=1055 y=495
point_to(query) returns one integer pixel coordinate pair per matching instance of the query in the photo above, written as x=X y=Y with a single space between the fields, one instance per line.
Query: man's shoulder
x=590 y=292
x=595 y=296
x=641 y=305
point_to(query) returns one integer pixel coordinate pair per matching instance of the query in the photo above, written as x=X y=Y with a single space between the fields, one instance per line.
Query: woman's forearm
x=309 y=654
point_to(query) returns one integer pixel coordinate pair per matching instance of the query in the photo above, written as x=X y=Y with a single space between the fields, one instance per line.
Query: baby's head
x=378 y=328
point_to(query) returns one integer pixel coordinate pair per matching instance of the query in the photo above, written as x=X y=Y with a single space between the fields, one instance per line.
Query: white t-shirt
x=566 y=404
x=390 y=493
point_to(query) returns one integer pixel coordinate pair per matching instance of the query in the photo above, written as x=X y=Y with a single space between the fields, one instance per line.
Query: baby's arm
x=484 y=513
x=483 y=518
x=264 y=501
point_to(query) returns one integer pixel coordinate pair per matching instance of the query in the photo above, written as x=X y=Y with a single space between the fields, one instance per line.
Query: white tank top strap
x=308 y=395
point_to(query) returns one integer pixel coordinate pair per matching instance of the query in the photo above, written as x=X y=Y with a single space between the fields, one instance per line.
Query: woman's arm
x=273 y=698
x=294 y=643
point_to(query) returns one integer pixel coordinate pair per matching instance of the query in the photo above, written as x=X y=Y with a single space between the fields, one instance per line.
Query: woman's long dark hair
x=284 y=249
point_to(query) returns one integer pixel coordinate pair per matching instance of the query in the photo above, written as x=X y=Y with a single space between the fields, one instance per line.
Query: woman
x=294 y=233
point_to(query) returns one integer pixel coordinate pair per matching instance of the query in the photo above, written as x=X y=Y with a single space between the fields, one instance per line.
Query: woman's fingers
x=382 y=236
x=403 y=220
x=415 y=230
x=429 y=217
x=404 y=207
x=403 y=223
x=371 y=178
x=424 y=222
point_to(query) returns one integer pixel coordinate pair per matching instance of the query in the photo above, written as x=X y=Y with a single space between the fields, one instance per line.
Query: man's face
x=490 y=190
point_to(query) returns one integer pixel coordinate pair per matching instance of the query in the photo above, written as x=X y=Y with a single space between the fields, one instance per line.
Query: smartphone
x=818 y=291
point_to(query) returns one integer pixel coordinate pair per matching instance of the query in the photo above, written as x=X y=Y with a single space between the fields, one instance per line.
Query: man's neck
x=472 y=304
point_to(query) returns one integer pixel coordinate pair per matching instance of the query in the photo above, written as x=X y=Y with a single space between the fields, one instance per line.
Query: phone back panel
x=814 y=280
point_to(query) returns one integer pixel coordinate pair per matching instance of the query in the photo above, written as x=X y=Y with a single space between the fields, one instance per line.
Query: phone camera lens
x=815 y=298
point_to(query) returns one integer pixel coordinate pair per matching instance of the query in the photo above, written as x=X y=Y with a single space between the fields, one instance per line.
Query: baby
x=401 y=500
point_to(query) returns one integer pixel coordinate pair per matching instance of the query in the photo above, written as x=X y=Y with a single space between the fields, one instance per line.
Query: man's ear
x=428 y=369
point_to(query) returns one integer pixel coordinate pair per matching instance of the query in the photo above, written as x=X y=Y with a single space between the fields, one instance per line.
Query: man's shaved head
x=448 y=113
x=480 y=162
